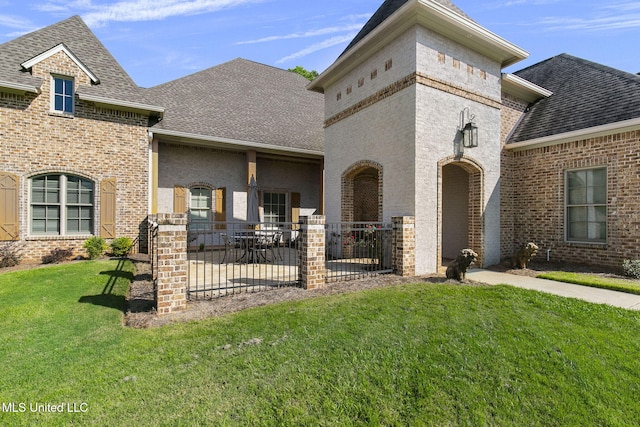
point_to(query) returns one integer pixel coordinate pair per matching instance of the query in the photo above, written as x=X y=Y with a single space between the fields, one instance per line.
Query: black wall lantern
x=468 y=129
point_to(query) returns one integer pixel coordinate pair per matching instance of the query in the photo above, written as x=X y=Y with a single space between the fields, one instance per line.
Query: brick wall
x=534 y=201
x=95 y=143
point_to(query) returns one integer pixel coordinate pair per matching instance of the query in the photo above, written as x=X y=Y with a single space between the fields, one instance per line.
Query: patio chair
x=230 y=243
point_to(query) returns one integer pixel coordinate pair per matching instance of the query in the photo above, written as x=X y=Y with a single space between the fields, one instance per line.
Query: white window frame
x=54 y=94
x=592 y=206
x=198 y=222
x=63 y=206
x=287 y=211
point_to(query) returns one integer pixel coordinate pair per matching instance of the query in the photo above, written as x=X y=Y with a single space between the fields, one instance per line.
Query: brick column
x=171 y=287
x=404 y=245
x=312 y=247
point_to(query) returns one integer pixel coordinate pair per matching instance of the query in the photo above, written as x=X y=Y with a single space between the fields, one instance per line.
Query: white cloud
x=318 y=46
x=312 y=33
x=138 y=10
x=595 y=24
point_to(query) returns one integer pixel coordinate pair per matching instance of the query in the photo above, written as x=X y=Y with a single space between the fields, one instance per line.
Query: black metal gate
x=358 y=249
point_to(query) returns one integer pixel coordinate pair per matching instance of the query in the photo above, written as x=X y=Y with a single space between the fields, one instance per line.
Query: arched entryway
x=362 y=192
x=460 y=207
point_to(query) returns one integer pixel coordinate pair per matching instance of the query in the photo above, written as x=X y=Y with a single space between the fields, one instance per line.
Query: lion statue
x=524 y=255
x=458 y=268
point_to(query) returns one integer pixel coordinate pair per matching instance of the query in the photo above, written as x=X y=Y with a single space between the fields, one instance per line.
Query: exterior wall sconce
x=468 y=129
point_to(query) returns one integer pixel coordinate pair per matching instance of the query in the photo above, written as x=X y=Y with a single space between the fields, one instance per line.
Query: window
x=586 y=196
x=63 y=95
x=61 y=205
x=275 y=207
x=200 y=207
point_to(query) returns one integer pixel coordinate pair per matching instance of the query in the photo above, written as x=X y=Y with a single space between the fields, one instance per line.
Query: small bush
x=10 y=254
x=631 y=267
x=95 y=246
x=57 y=255
x=121 y=246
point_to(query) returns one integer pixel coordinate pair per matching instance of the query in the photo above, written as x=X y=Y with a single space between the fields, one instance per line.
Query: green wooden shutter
x=108 y=208
x=9 y=223
x=179 y=199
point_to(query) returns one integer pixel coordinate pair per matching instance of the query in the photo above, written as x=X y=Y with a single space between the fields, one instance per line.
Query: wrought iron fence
x=357 y=249
x=232 y=257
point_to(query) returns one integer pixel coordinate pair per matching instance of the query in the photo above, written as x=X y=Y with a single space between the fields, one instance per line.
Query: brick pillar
x=171 y=287
x=312 y=247
x=404 y=245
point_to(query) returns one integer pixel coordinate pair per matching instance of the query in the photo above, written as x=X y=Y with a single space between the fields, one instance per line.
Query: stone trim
x=408 y=81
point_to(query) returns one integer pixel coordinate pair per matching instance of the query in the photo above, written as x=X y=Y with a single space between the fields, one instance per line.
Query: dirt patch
x=536 y=268
x=141 y=314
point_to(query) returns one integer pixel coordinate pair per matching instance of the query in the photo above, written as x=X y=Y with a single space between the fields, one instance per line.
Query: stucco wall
x=189 y=166
x=410 y=125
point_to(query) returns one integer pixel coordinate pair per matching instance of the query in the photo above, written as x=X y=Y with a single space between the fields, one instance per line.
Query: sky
x=157 y=41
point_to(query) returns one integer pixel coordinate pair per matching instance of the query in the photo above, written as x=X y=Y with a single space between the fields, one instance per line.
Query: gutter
x=238 y=144
x=132 y=106
x=19 y=87
x=592 y=132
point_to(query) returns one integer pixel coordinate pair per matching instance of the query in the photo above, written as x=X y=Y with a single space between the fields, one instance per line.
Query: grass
x=621 y=285
x=422 y=354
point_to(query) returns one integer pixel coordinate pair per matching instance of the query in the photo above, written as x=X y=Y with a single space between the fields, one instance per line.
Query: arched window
x=61 y=205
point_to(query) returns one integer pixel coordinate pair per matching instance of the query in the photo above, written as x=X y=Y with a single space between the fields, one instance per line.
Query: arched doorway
x=461 y=213
x=362 y=192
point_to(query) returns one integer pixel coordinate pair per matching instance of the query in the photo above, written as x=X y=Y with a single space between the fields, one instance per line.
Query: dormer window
x=62 y=94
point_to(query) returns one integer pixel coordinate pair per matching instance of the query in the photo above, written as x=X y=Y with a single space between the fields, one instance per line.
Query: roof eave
x=431 y=15
x=121 y=105
x=18 y=88
x=235 y=144
x=523 y=89
x=581 y=134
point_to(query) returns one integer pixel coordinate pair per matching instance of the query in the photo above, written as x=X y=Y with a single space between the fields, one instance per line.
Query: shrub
x=121 y=246
x=95 y=246
x=10 y=254
x=631 y=267
x=57 y=255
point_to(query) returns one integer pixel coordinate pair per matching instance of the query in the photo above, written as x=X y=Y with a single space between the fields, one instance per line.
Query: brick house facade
x=376 y=136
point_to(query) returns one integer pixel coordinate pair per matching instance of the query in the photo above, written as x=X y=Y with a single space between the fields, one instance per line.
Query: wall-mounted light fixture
x=468 y=129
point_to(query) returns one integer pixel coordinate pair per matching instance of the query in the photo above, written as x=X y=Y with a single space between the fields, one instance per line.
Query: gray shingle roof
x=585 y=94
x=114 y=81
x=388 y=8
x=245 y=101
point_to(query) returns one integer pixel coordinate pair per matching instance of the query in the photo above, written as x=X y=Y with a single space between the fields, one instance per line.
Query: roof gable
x=585 y=95
x=53 y=51
x=74 y=37
x=388 y=8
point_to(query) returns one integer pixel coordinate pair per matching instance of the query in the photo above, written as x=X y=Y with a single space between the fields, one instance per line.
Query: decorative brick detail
x=404 y=245
x=312 y=252
x=408 y=81
x=348 y=198
x=171 y=263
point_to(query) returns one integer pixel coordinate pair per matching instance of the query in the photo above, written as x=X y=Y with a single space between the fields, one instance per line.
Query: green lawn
x=420 y=354
x=595 y=281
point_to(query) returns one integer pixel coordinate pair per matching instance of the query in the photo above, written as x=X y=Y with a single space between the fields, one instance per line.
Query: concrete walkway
x=595 y=295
